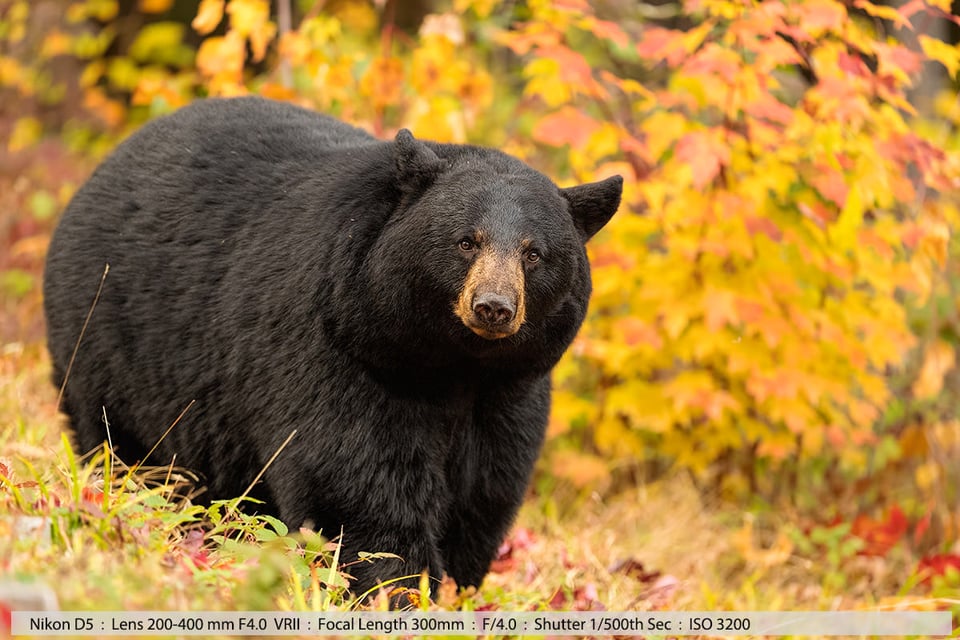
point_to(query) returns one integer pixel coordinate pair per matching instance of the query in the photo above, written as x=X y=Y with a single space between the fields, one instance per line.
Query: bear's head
x=491 y=250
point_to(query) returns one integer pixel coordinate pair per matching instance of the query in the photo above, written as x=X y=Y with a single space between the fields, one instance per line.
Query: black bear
x=400 y=304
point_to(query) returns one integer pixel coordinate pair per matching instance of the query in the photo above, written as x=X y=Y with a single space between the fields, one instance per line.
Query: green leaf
x=16 y=283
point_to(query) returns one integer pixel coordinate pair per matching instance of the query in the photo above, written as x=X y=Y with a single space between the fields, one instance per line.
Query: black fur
x=288 y=271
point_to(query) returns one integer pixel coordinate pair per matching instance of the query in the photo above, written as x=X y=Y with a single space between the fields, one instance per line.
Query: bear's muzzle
x=491 y=303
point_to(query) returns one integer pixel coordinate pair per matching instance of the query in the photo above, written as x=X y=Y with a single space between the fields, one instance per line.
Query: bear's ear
x=593 y=204
x=417 y=164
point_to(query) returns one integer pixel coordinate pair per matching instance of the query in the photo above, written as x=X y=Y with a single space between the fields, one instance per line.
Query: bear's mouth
x=493 y=334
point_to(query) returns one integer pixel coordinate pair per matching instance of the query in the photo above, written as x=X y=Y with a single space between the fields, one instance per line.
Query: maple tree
x=791 y=207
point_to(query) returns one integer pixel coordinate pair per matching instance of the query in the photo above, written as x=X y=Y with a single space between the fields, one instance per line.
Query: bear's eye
x=533 y=256
x=467 y=245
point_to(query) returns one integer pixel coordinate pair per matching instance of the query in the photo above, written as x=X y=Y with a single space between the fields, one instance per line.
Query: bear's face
x=511 y=242
x=495 y=243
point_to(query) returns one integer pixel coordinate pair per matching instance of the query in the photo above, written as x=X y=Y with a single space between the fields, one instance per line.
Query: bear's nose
x=493 y=309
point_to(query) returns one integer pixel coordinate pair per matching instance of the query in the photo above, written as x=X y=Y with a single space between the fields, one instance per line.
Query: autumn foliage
x=777 y=305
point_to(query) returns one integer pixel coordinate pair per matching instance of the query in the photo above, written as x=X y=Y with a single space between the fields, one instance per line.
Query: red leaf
x=566 y=126
x=635 y=569
x=6 y=619
x=89 y=494
x=922 y=525
x=520 y=540
x=583 y=598
x=880 y=536
x=937 y=565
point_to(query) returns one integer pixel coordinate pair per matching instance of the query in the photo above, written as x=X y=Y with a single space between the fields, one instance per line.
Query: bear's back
x=287 y=127
x=187 y=204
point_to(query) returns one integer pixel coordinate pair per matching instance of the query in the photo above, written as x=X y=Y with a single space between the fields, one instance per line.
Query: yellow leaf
x=156 y=39
x=208 y=17
x=482 y=8
x=946 y=54
x=356 y=17
x=938 y=358
x=567 y=409
x=438 y=118
x=221 y=56
x=927 y=474
x=642 y=404
x=251 y=19
x=887 y=13
x=615 y=438
x=661 y=131
x=935 y=240
x=844 y=231
x=545 y=82
x=767 y=557
x=26 y=131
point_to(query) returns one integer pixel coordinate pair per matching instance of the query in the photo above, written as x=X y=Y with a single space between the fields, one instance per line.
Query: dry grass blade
x=165 y=433
x=260 y=473
x=83 y=329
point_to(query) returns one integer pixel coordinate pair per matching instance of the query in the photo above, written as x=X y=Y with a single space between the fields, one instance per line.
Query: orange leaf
x=581 y=469
x=830 y=183
x=938 y=359
x=817 y=16
x=221 y=55
x=607 y=30
x=155 y=6
x=663 y=44
x=574 y=68
x=719 y=309
x=705 y=154
x=569 y=125
x=383 y=82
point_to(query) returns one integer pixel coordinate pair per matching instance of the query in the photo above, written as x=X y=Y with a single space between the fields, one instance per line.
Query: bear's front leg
x=489 y=472
x=417 y=551
x=381 y=505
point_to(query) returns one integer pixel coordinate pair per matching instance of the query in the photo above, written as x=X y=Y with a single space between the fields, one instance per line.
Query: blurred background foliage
x=777 y=306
